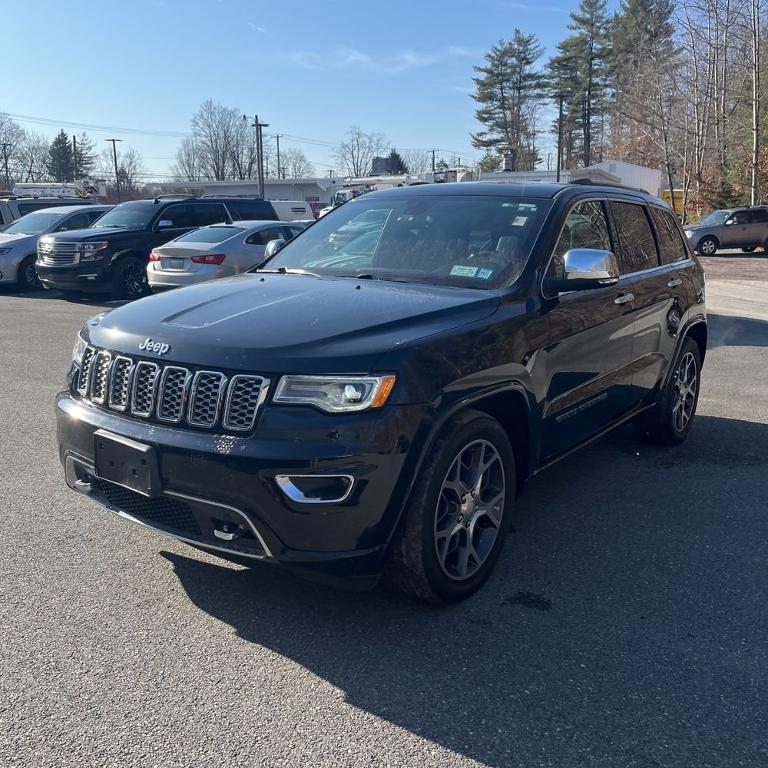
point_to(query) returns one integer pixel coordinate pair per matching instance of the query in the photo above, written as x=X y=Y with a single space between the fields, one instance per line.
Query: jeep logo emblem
x=154 y=346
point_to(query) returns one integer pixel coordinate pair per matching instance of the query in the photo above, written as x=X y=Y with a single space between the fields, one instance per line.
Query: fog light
x=316 y=489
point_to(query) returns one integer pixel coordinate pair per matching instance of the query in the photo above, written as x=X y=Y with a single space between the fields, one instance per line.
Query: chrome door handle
x=624 y=298
x=675 y=281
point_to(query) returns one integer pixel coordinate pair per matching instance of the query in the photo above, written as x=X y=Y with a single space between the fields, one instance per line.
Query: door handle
x=673 y=282
x=624 y=298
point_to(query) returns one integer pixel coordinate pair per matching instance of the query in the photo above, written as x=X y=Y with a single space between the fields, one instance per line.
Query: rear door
x=586 y=365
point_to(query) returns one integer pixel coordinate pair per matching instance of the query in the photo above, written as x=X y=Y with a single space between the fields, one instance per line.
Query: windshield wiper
x=289 y=271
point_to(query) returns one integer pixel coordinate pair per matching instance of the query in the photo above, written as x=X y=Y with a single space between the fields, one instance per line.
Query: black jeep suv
x=111 y=256
x=376 y=406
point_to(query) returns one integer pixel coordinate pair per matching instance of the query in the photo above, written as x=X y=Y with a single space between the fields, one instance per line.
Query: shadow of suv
x=352 y=412
x=745 y=228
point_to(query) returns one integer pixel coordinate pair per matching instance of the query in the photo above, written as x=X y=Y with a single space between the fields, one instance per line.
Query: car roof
x=63 y=209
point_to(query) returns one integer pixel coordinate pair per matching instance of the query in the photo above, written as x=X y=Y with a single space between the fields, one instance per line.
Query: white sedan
x=219 y=250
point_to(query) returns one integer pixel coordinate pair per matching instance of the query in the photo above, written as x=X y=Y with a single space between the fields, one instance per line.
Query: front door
x=735 y=231
x=585 y=369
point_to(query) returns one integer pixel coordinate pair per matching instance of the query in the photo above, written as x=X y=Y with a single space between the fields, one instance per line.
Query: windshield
x=209 y=235
x=457 y=240
x=716 y=217
x=127 y=216
x=33 y=223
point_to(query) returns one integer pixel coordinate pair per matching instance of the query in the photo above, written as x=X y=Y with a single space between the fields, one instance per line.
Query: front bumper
x=87 y=276
x=213 y=483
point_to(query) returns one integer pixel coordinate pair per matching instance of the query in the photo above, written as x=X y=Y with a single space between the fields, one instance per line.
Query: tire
x=708 y=246
x=27 y=275
x=748 y=250
x=670 y=421
x=129 y=278
x=430 y=557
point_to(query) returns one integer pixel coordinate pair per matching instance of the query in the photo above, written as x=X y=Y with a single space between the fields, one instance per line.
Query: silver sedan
x=219 y=250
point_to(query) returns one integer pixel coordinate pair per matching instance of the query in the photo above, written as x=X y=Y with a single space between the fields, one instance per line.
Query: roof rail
x=174 y=197
x=586 y=180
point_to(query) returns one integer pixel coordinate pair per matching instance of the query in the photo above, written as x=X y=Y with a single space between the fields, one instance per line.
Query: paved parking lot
x=625 y=625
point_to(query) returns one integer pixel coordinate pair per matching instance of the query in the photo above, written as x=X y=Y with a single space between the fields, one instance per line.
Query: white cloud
x=256 y=27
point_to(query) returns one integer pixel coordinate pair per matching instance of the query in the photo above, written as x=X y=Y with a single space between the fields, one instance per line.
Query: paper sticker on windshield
x=459 y=271
x=519 y=221
x=484 y=273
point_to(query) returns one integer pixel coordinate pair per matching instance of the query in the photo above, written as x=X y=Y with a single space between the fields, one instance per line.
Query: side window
x=178 y=216
x=636 y=244
x=251 y=210
x=93 y=215
x=25 y=208
x=290 y=232
x=671 y=245
x=740 y=217
x=586 y=226
x=263 y=236
x=78 y=221
x=758 y=216
x=204 y=214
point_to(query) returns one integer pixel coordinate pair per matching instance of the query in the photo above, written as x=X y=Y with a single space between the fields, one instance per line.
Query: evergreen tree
x=508 y=90
x=396 y=163
x=60 y=158
x=86 y=156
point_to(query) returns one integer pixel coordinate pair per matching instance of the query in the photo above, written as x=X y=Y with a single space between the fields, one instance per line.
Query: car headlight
x=90 y=251
x=335 y=394
x=78 y=350
x=688 y=233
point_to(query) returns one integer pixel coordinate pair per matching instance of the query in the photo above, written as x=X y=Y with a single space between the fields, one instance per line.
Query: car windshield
x=478 y=241
x=33 y=223
x=714 y=218
x=127 y=216
x=209 y=235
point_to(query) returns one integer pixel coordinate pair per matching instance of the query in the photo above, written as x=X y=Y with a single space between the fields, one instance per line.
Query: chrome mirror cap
x=590 y=264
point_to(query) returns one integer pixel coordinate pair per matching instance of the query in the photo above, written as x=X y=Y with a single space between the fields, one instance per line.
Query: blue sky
x=401 y=68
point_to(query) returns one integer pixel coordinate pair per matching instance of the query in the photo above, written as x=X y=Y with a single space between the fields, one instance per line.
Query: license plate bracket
x=126 y=462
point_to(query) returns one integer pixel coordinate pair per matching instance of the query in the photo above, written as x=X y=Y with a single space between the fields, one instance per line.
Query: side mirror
x=165 y=224
x=585 y=269
x=273 y=246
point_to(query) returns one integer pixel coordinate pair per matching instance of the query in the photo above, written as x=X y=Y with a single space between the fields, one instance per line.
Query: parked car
x=18 y=241
x=745 y=228
x=13 y=207
x=352 y=416
x=220 y=250
x=112 y=257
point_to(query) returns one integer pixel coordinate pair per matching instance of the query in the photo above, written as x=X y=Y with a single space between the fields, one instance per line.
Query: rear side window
x=758 y=215
x=263 y=236
x=253 y=210
x=78 y=221
x=204 y=214
x=671 y=245
x=586 y=226
x=636 y=244
x=740 y=217
x=178 y=215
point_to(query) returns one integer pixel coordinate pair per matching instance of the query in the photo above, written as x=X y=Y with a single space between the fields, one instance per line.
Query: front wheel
x=748 y=250
x=27 y=276
x=708 y=246
x=459 y=512
x=671 y=419
x=129 y=280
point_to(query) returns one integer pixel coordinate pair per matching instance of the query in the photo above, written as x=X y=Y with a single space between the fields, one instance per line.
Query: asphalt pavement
x=625 y=625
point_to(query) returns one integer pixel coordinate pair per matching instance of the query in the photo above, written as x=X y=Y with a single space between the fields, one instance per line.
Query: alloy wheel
x=469 y=510
x=132 y=278
x=686 y=385
x=707 y=247
x=29 y=276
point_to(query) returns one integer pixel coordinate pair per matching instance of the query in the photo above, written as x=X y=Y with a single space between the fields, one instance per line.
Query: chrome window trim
x=193 y=392
x=129 y=377
x=264 y=384
x=184 y=393
x=139 y=366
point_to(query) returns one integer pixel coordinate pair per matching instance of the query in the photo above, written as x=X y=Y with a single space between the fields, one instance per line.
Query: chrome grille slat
x=171 y=394
x=144 y=388
x=56 y=253
x=205 y=398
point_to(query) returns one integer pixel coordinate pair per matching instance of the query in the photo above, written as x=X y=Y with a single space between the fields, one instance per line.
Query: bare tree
x=296 y=164
x=12 y=136
x=31 y=159
x=130 y=171
x=215 y=129
x=417 y=161
x=356 y=151
x=188 y=166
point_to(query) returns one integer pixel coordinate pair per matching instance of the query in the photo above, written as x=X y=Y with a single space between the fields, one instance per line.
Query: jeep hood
x=287 y=323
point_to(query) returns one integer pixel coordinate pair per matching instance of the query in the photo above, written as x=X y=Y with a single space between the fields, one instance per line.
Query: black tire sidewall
x=714 y=242
x=22 y=279
x=117 y=278
x=480 y=428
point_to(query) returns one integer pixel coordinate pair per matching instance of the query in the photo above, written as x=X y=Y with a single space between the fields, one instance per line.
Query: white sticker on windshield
x=459 y=271
x=519 y=221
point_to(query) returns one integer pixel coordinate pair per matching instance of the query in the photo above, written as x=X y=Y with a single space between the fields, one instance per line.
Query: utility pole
x=560 y=98
x=74 y=157
x=5 y=161
x=277 y=139
x=117 y=175
x=260 y=152
x=433 y=161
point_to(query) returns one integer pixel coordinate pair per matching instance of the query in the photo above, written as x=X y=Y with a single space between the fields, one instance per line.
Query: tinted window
x=290 y=232
x=133 y=215
x=254 y=210
x=78 y=221
x=204 y=214
x=263 y=236
x=209 y=235
x=93 y=215
x=758 y=215
x=586 y=226
x=740 y=217
x=177 y=216
x=428 y=238
x=636 y=245
x=671 y=246
x=34 y=223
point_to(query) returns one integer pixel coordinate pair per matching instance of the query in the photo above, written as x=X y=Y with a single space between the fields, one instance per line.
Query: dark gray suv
x=745 y=228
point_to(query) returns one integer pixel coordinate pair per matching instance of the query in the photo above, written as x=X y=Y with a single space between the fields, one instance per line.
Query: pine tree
x=508 y=89
x=60 y=158
x=396 y=163
x=86 y=156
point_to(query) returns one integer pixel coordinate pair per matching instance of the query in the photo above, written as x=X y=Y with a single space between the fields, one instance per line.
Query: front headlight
x=90 y=251
x=335 y=394
x=79 y=349
x=688 y=233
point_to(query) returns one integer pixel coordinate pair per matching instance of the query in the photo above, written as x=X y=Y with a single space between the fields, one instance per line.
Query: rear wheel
x=670 y=421
x=129 y=278
x=459 y=512
x=708 y=246
x=749 y=249
x=27 y=277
